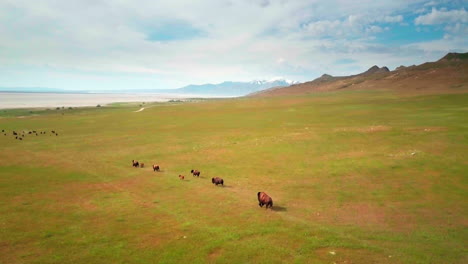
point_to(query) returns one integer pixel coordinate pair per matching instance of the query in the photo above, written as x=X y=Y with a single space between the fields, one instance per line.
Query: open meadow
x=355 y=177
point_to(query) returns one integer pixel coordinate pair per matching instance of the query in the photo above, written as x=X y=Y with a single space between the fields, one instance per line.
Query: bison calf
x=182 y=177
x=195 y=173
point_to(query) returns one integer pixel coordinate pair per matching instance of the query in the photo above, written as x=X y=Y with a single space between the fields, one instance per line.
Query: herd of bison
x=21 y=135
x=263 y=198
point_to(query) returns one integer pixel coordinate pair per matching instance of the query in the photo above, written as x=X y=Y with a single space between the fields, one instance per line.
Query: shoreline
x=44 y=100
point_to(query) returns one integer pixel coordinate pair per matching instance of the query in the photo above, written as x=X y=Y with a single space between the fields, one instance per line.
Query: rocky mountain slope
x=449 y=74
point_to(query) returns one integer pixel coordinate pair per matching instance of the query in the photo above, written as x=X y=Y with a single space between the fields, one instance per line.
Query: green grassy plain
x=356 y=177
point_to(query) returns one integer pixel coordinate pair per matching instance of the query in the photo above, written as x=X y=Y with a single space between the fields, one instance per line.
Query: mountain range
x=230 y=89
x=447 y=75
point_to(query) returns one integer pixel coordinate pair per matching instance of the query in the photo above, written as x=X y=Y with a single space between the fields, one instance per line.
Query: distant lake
x=33 y=100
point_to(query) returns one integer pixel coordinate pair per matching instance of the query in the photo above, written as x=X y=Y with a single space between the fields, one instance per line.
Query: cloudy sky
x=144 y=44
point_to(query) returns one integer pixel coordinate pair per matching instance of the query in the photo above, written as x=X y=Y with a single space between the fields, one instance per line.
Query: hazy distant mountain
x=221 y=89
x=232 y=88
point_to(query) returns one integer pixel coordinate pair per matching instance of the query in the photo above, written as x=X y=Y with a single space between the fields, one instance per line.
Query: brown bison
x=142 y=165
x=182 y=177
x=217 y=181
x=135 y=163
x=155 y=167
x=264 y=199
x=195 y=173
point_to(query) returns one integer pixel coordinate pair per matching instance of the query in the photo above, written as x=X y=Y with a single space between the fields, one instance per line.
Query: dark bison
x=155 y=167
x=195 y=173
x=182 y=177
x=217 y=181
x=135 y=163
x=264 y=199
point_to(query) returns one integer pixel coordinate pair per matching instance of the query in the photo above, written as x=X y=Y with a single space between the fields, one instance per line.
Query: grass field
x=356 y=177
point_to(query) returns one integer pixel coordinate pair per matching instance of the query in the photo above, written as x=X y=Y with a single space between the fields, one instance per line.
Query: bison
x=195 y=173
x=142 y=165
x=182 y=177
x=155 y=167
x=135 y=163
x=264 y=199
x=217 y=181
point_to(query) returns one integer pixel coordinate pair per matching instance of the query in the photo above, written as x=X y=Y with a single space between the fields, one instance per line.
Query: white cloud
x=374 y=29
x=238 y=40
x=325 y=28
x=441 y=46
x=392 y=19
x=442 y=17
x=354 y=25
x=459 y=29
x=420 y=11
x=431 y=3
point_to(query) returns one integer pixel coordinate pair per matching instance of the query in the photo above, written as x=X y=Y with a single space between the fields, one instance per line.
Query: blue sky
x=145 y=44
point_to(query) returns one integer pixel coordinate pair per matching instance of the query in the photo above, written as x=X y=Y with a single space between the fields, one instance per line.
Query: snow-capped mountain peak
x=280 y=80
x=235 y=88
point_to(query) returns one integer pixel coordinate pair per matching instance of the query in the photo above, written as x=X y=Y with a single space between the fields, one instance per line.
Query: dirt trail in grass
x=141 y=109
